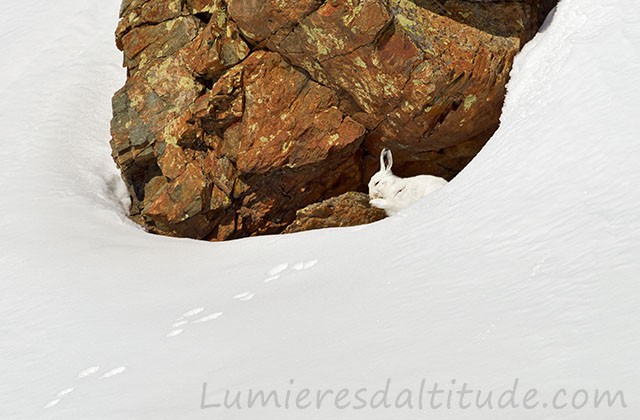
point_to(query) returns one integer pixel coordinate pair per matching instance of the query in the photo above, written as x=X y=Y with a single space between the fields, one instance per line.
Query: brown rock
x=137 y=13
x=238 y=113
x=217 y=47
x=144 y=44
x=283 y=135
x=260 y=19
x=349 y=209
x=422 y=76
x=289 y=121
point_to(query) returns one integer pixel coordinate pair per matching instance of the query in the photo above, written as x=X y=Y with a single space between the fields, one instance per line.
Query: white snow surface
x=525 y=266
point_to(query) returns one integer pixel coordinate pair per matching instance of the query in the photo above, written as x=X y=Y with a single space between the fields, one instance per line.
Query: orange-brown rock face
x=238 y=113
x=348 y=209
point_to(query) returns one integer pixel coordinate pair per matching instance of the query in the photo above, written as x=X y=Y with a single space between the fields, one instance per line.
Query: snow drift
x=525 y=266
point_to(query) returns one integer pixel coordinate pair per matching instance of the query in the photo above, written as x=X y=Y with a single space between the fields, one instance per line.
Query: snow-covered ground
x=525 y=267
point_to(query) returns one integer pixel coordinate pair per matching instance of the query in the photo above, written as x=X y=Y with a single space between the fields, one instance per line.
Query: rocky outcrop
x=238 y=113
x=349 y=209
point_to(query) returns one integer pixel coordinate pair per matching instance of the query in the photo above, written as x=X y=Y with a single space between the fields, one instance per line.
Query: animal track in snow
x=276 y=272
x=88 y=372
x=272 y=278
x=114 y=372
x=309 y=264
x=65 y=392
x=304 y=265
x=59 y=397
x=208 y=318
x=175 y=333
x=192 y=312
x=53 y=403
x=243 y=297
x=81 y=375
x=278 y=269
x=273 y=274
x=180 y=323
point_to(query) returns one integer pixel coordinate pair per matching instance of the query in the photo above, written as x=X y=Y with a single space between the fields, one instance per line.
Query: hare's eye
x=376 y=184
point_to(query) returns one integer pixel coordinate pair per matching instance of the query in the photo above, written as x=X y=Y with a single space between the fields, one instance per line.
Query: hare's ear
x=386 y=159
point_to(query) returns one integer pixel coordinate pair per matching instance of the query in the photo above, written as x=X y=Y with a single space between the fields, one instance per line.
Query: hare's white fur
x=392 y=193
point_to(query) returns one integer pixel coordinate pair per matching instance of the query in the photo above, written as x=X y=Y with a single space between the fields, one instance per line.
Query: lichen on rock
x=236 y=114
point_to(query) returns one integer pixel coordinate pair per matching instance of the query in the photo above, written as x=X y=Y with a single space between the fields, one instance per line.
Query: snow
x=525 y=266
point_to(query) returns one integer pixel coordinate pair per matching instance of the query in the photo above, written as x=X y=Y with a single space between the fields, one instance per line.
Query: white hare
x=392 y=193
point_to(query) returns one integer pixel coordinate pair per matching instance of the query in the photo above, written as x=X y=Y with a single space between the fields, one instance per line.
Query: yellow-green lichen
x=285 y=146
x=360 y=62
x=222 y=20
x=405 y=22
x=469 y=101
x=168 y=135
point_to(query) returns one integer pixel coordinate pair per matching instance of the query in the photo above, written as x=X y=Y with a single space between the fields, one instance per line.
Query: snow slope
x=525 y=266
